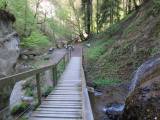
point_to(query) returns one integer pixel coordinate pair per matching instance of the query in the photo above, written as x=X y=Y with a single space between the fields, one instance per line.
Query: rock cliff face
x=9 y=43
x=143 y=102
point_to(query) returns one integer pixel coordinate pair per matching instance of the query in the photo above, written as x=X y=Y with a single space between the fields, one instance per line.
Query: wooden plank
x=57 y=112
x=68 y=88
x=39 y=118
x=65 y=101
x=64 y=95
x=59 y=102
x=58 y=106
x=60 y=109
x=64 y=104
x=57 y=115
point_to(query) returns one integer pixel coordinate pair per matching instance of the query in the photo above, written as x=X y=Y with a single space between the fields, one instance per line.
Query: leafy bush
x=19 y=108
x=36 y=40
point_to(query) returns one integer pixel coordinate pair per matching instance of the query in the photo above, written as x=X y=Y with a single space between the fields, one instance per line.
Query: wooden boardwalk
x=66 y=101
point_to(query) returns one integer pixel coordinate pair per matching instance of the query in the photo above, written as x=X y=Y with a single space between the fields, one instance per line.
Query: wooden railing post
x=64 y=62
x=38 y=88
x=54 y=70
x=68 y=55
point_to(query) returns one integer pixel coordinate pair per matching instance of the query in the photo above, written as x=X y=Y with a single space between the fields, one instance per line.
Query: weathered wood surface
x=65 y=101
x=68 y=100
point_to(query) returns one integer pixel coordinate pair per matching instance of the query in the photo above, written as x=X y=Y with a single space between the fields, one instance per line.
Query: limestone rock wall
x=9 y=44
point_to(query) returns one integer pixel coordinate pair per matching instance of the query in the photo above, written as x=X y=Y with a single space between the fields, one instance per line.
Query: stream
x=115 y=110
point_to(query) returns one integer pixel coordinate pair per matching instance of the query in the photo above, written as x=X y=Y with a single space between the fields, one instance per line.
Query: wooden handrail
x=87 y=109
x=10 y=80
x=23 y=75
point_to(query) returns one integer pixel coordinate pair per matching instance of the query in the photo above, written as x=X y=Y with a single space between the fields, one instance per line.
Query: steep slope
x=127 y=45
x=115 y=55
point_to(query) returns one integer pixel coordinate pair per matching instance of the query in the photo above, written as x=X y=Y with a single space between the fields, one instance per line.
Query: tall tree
x=89 y=16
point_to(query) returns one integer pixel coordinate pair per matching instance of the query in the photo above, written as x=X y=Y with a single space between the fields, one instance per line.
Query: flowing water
x=145 y=69
x=115 y=110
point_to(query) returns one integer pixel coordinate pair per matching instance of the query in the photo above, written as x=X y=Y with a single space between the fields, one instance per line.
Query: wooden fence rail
x=11 y=80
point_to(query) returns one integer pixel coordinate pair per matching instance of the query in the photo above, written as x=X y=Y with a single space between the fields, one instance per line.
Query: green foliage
x=29 y=87
x=19 y=108
x=60 y=30
x=2 y=3
x=29 y=92
x=47 y=90
x=98 y=48
x=95 y=52
x=19 y=8
x=26 y=24
x=109 y=12
x=156 y=8
x=35 y=40
x=113 y=29
x=102 y=82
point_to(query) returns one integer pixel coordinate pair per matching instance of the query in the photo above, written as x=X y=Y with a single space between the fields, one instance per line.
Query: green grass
x=98 y=48
x=95 y=52
x=102 y=82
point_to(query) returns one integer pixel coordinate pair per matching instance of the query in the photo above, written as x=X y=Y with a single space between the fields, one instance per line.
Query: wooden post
x=92 y=97
x=38 y=88
x=68 y=55
x=64 y=62
x=55 y=75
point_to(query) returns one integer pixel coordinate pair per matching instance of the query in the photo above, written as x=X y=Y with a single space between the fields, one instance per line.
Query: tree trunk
x=97 y=16
x=89 y=16
x=129 y=6
x=135 y=4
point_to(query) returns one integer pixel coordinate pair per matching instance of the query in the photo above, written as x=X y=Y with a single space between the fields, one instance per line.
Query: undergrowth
x=102 y=82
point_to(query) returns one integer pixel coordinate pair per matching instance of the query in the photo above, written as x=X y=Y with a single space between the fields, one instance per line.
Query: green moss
x=19 y=108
